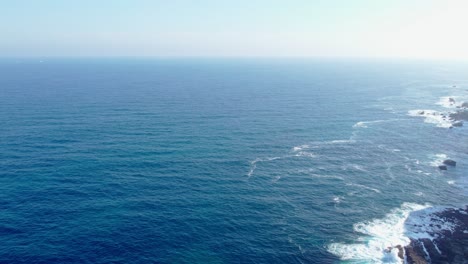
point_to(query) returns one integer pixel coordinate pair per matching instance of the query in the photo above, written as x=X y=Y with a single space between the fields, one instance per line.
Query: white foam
x=337 y=199
x=317 y=144
x=342 y=141
x=360 y=124
x=253 y=164
x=451 y=182
x=390 y=109
x=437 y=159
x=364 y=187
x=377 y=236
x=448 y=101
x=300 y=148
x=327 y=177
x=432 y=117
x=305 y=154
x=364 y=124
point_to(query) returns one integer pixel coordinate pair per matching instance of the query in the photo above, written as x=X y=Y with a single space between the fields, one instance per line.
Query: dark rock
x=400 y=251
x=450 y=162
x=451 y=100
x=447 y=246
x=421 y=112
x=415 y=253
x=464 y=104
x=457 y=124
x=459 y=115
x=442 y=167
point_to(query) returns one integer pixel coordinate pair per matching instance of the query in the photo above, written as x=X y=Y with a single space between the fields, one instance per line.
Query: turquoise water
x=219 y=160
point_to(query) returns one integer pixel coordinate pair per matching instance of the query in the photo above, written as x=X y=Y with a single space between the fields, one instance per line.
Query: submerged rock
x=450 y=162
x=442 y=167
x=451 y=100
x=464 y=105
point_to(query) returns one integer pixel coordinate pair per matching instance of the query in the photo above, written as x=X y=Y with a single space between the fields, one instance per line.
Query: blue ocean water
x=220 y=160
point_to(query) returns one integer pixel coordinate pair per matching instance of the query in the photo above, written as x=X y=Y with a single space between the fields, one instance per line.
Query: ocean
x=204 y=160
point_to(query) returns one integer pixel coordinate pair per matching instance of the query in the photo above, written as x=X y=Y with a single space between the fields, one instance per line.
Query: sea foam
x=253 y=164
x=432 y=117
x=448 y=101
x=377 y=236
x=437 y=159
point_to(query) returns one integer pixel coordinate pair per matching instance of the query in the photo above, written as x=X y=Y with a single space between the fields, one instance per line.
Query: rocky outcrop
x=457 y=124
x=414 y=253
x=442 y=167
x=445 y=246
x=450 y=162
x=459 y=116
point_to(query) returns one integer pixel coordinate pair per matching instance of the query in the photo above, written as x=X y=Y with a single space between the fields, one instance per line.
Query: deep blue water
x=216 y=160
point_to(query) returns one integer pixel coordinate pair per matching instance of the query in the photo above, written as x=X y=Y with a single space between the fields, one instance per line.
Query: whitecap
x=305 y=154
x=360 y=124
x=327 y=176
x=337 y=199
x=300 y=148
x=253 y=164
x=316 y=144
x=342 y=141
x=364 y=187
x=364 y=124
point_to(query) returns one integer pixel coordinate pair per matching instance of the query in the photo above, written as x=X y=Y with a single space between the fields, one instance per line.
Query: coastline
x=438 y=235
x=445 y=237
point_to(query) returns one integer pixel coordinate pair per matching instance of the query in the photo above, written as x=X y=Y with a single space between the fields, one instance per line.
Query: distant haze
x=335 y=28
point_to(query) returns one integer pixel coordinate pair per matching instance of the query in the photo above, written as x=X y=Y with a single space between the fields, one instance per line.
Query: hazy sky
x=369 y=28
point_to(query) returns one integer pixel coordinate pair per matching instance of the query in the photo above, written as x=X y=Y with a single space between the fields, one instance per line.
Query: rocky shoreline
x=442 y=239
x=452 y=119
x=439 y=236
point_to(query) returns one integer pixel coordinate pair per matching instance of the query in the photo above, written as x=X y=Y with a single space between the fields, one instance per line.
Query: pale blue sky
x=364 y=28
